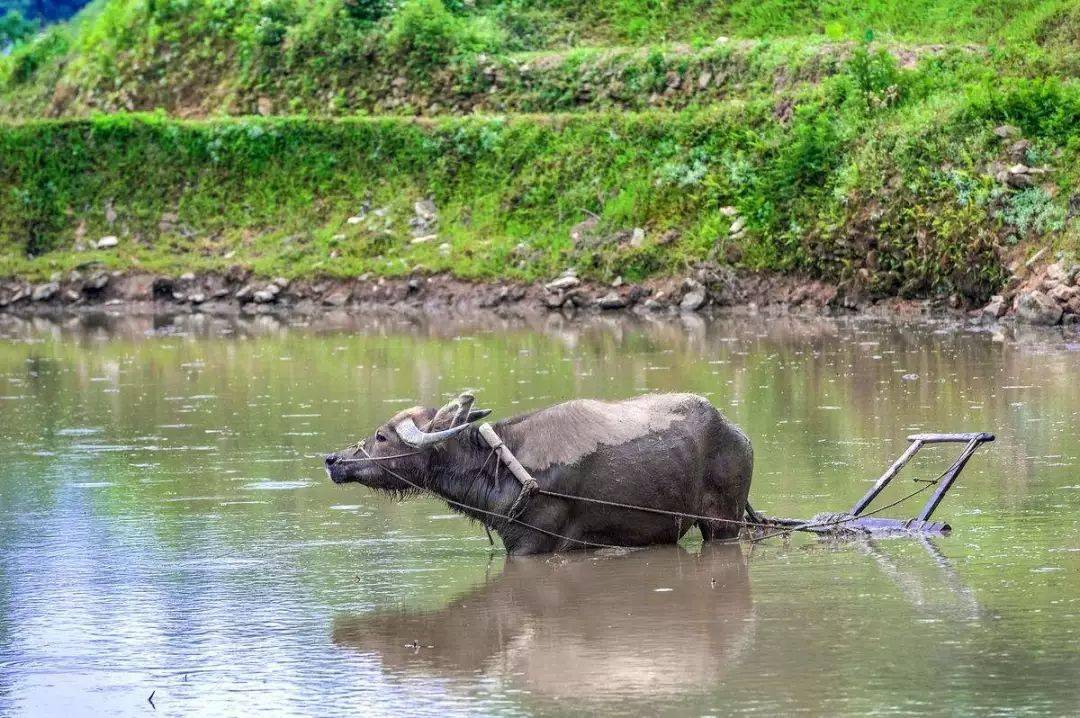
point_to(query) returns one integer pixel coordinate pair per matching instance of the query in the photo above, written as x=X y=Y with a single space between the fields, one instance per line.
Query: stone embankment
x=1047 y=296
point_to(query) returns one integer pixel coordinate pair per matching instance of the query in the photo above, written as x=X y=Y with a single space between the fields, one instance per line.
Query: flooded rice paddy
x=167 y=527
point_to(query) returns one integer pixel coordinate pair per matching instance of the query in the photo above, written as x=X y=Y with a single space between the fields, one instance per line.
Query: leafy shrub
x=40 y=215
x=428 y=34
x=875 y=77
x=29 y=57
x=274 y=19
x=368 y=10
x=1033 y=210
x=1041 y=107
x=807 y=155
x=14 y=28
x=686 y=171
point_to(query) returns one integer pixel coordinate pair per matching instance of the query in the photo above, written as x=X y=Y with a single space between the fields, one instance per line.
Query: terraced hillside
x=910 y=149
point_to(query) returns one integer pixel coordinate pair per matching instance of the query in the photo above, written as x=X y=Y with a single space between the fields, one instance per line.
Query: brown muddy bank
x=1047 y=296
x=238 y=292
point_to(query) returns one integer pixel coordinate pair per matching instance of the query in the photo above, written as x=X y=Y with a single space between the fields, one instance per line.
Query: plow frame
x=921 y=523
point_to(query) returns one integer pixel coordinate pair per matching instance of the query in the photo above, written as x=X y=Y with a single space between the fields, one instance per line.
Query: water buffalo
x=667 y=451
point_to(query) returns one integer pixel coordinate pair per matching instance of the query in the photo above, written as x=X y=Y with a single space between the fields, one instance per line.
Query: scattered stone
x=737 y=226
x=637 y=238
x=653 y=305
x=110 y=212
x=1018 y=177
x=444 y=249
x=583 y=229
x=694 y=298
x=196 y=297
x=168 y=222
x=1059 y=272
x=704 y=79
x=425 y=238
x=187 y=277
x=612 y=301
x=728 y=211
x=45 y=292
x=668 y=237
x=97 y=282
x=355 y=219
x=995 y=309
x=107 y=242
x=337 y=298
x=21 y=293
x=909 y=377
x=1036 y=307
x=1018 y=150
x=1006 y=131
x=563 y=283
x=71 y=296
x=1062 y=293
x=618 y=282
x=425 y=218
x=554 y=301
x=245 y=293
x=425 y=210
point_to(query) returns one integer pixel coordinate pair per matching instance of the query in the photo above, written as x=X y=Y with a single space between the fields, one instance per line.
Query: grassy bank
x=335 y=57
x=904 y=201
x=622 y=138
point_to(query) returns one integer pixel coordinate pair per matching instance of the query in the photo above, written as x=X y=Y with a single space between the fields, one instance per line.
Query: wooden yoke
x=528 y=483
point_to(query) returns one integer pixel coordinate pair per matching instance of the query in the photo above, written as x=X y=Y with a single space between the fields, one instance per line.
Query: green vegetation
x=14 y=28
x=863 y=157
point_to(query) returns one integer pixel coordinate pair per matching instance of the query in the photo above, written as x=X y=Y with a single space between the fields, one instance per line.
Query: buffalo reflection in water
x=650 y=622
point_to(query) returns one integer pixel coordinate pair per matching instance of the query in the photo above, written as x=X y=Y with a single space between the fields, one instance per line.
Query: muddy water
x=166 y=526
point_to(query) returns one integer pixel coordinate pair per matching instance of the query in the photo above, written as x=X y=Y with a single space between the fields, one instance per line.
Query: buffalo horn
x=410 y=433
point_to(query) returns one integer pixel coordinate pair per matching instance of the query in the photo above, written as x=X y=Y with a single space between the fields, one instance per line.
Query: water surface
x=167 y=527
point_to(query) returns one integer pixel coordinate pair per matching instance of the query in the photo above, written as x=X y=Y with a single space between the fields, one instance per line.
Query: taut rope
x=529 y=487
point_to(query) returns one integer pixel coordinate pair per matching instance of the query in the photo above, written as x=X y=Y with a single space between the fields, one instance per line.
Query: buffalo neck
x=467 y=471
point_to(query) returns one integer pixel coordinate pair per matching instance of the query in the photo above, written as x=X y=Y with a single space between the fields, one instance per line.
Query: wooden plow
x=859 y=520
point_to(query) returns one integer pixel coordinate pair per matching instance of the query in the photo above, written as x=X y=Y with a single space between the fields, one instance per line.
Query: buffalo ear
x=478 y=414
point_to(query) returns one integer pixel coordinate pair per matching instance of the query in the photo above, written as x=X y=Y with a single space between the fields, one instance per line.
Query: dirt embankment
x=707 y=288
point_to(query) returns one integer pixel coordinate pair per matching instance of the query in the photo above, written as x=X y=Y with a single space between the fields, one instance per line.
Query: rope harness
x=530 y=487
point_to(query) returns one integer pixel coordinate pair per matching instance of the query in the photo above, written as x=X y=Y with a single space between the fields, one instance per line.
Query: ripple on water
x=79 y=431
x=277 y=485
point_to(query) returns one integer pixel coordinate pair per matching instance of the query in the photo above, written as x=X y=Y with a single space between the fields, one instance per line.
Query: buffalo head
x=402 y=446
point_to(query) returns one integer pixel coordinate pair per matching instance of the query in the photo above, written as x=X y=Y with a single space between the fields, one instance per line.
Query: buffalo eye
x=379 y=437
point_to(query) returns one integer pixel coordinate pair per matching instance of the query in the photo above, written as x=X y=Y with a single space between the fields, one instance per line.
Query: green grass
x=901 y=191
x=332 y=57
x=872 y=164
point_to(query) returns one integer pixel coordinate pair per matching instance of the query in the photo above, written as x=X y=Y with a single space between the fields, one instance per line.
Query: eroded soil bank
x=1046 y=296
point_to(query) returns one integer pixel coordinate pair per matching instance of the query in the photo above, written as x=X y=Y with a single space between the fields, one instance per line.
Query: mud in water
x=168 y=527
